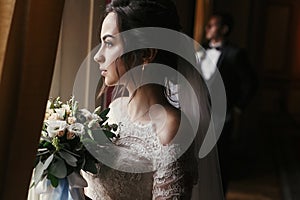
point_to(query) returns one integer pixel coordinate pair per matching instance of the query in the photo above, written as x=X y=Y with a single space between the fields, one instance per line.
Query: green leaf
x=43 y=153
x=90 y=133
x=90 y=166
x=52 y=105
x=70 y=159
x=97 y=111
x=99 y=137
x=74 y=108
x=45 y=139
x=109 y=134
x=88 y=141
x=48 y=161
x=47 y=144
x=104 y=113
x=103 y=121
x=107 y=127
x=58 y=168
x=70 y=152
x=38 y=172
x=53 y=180
x=44 y=128
x=32 y=185
x=65 y=115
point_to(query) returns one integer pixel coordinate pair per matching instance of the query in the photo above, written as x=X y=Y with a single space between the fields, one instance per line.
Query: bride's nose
x=99 y=58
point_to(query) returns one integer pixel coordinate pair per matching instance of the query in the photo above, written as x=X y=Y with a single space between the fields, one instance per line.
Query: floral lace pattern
x=167 y=177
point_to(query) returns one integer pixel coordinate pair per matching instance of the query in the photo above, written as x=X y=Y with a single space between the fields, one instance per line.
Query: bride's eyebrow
x=106 y=36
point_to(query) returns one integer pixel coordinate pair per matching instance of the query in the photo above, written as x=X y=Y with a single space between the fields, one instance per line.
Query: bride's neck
x=143 y=98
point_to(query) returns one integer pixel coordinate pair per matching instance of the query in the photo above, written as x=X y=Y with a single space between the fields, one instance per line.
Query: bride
x=155 y=153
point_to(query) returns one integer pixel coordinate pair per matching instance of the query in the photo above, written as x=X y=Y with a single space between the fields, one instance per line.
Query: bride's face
x=111 y=66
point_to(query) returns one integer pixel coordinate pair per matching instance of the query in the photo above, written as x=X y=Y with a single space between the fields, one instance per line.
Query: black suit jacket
x=239 y=78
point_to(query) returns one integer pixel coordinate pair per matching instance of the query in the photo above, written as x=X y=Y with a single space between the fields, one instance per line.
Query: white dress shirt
x=208 y=60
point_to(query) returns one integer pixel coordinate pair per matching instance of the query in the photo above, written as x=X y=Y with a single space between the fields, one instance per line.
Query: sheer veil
x=201 y=103
x=203 y=110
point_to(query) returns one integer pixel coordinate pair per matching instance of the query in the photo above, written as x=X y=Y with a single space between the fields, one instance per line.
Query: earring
x=143 y=67
x=142 y=75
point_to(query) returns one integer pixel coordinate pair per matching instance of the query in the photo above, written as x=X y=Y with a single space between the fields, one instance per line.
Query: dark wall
x=186 y=11
x=241 y=12
x=270 y=32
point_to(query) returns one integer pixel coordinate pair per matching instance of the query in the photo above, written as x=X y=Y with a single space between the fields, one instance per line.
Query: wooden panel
x=295 y=47
x=293 y=101
x=6 y=11
x=240 y=11
x=186 y=10
x=203 y=10
x=276 y=38
x=199 y=20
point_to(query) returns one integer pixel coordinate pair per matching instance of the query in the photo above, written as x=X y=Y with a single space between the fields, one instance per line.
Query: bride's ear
x=150 y=55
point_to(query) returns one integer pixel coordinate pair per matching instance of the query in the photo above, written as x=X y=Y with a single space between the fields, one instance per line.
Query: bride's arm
x=169 y=183
x=173 y=178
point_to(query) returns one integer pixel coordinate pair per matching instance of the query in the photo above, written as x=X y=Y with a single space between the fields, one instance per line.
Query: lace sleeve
x=172 y=181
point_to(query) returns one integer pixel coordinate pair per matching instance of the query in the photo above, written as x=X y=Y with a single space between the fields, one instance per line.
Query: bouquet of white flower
x=61 y=153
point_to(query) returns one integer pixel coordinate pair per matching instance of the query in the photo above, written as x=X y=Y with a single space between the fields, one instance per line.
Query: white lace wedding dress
x=166 y=181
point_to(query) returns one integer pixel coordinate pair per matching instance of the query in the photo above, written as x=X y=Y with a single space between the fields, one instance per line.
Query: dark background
x=266 y=164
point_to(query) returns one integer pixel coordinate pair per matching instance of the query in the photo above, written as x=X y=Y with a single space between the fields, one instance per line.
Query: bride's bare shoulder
x=167 y=120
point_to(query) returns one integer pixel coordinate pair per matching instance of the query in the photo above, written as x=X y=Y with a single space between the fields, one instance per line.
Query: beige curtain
x=79 y=35
x=28 y=45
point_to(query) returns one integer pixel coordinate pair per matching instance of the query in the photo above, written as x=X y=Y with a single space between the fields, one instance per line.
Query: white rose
x=61 y=113
x=67 y=108
x=54 y=127
x=53 y=116
x=76 y=128
x=47 y=115
x=44 y=133
x=50 y=111
x=48 y=105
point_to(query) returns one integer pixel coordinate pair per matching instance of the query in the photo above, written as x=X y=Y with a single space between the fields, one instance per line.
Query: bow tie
x=219 y=48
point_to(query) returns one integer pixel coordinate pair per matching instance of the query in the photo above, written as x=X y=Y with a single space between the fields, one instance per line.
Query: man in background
x=238 y=77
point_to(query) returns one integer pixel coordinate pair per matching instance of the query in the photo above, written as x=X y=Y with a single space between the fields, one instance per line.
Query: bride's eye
x=108 y=44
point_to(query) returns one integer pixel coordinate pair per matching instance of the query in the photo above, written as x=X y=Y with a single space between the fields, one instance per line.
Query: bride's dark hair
x=133 y=14
x=145 y=13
